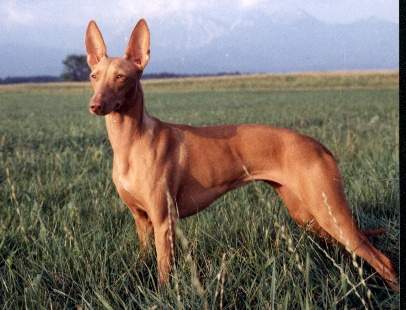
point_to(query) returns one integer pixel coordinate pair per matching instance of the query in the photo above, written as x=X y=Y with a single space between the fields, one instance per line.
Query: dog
x=154 y=160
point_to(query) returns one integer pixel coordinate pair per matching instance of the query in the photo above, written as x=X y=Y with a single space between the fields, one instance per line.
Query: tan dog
x=196 y=165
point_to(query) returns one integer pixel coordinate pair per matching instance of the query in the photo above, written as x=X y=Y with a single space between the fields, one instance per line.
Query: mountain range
x=249 y=42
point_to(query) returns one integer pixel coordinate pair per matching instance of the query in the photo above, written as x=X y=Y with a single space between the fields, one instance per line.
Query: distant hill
x=253 y=41
x=277 y=43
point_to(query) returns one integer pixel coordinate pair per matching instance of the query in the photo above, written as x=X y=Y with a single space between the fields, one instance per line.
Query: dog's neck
x=128 y=125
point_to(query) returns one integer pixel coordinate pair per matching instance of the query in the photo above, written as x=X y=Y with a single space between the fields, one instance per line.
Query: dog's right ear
x=138 y=49
x=95 y=47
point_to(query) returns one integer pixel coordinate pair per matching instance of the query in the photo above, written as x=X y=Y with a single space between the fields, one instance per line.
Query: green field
x=66 y=240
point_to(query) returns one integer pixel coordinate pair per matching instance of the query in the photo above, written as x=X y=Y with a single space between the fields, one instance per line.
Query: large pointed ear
x=138 y=49
x=95 y=47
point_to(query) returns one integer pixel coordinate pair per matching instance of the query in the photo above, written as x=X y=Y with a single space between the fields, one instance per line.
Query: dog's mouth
x=99 y=112
x=102 y=111
x=117 y=106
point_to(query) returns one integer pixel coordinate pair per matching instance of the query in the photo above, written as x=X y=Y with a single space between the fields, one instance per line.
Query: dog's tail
x=374 y=232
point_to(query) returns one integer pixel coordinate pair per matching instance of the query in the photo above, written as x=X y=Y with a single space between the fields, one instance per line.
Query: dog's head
x=115 y=80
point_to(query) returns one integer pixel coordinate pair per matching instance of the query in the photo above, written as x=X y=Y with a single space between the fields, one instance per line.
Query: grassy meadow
x=67 y=241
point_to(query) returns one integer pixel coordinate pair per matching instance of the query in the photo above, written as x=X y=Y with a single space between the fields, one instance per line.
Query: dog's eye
x=93 y=76
x=119 y=77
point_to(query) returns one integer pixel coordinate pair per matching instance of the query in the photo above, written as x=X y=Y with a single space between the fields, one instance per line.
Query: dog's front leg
x=164 y=243
x=164 y=234
x=144 y=229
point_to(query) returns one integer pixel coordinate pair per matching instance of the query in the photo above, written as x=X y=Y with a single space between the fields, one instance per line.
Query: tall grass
x=66 y=240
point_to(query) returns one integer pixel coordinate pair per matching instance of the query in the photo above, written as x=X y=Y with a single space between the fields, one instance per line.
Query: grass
x=67 y=241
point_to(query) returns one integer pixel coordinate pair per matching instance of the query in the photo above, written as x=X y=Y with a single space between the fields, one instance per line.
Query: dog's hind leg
x=325 y=201
x=338 y=222
x=298 y=212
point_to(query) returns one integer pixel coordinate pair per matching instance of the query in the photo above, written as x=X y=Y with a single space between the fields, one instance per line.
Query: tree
x=75 y=68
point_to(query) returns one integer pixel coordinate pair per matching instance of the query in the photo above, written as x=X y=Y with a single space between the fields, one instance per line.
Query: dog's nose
x=96 y=104
x=96 y=107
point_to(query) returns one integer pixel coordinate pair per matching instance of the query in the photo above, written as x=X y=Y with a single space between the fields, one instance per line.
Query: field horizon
x=67 y=241
x=334 y=73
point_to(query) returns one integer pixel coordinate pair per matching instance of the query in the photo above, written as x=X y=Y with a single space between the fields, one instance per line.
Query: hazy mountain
x=283 y=42
x=253 y=41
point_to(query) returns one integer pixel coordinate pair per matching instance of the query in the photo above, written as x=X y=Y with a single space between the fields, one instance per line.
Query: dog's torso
x=199 y=164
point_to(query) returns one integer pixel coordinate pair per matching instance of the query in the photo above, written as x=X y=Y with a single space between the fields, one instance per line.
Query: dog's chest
x=124 y=183
x=134 y=179
x=127 y=188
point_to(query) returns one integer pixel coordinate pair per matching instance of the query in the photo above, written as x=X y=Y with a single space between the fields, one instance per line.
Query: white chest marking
x=124 y=183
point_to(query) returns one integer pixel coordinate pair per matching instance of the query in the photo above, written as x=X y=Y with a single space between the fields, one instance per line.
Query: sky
x=36 y=13
x=60 y=24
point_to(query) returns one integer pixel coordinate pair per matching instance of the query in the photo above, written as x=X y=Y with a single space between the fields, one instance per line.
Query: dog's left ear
x=138 y=49
x=95 y=47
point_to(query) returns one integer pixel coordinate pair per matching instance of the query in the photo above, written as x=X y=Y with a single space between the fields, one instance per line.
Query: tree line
x=75 y=68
